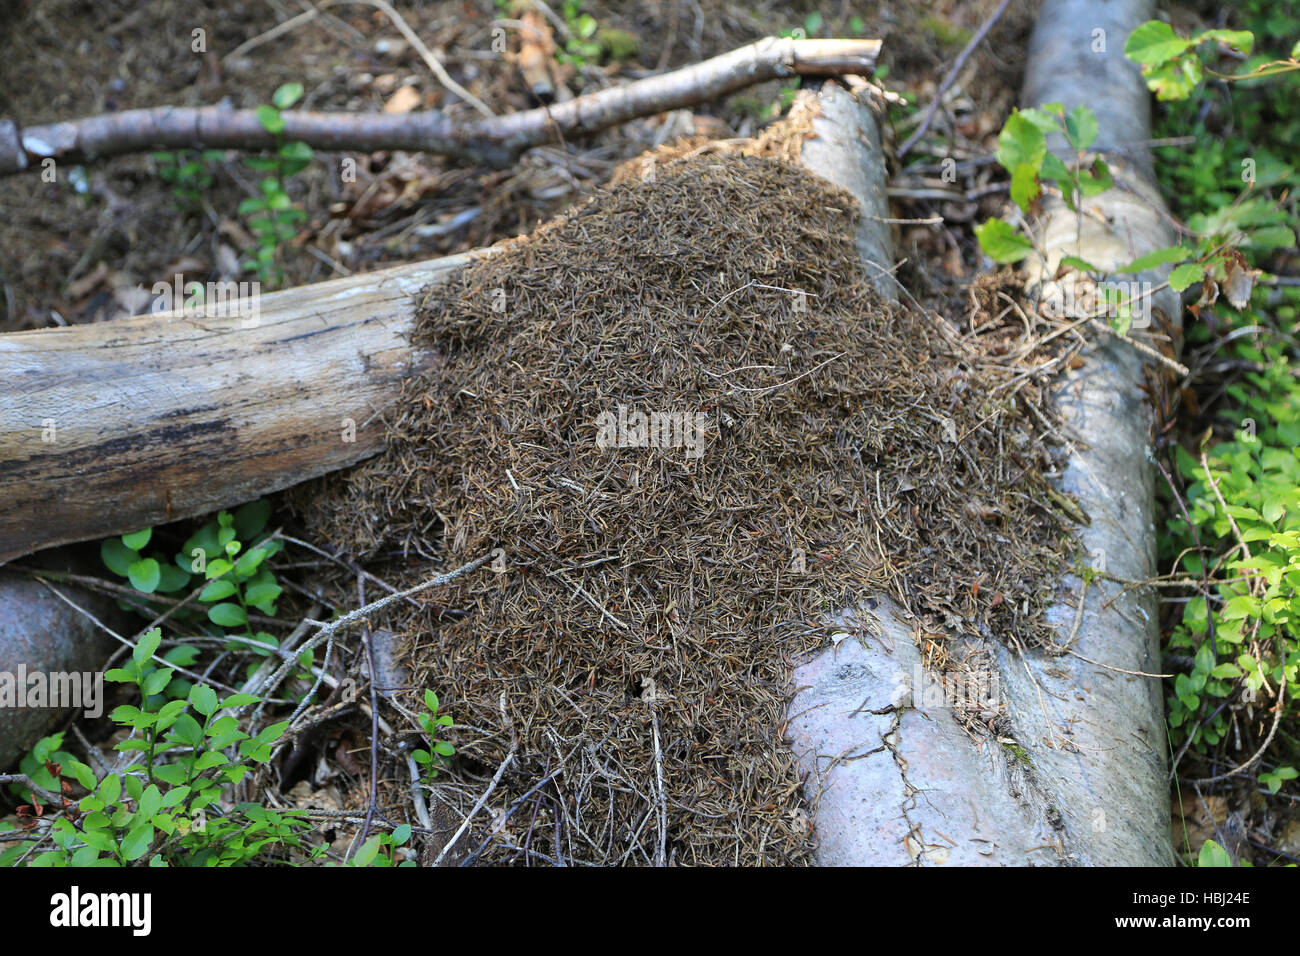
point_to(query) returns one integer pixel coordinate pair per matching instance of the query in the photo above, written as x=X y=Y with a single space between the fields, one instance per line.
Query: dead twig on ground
x=495 y=140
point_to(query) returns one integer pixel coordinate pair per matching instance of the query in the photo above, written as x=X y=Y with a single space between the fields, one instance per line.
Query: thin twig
x=32 y=785
x=368 y=639
x=951 y=78
x=496 y=778
x=361 y=613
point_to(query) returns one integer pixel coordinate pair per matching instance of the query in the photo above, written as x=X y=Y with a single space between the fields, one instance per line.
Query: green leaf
x=217 y=568
x=187 y=730
x=117 y=557
x=155 y=682
x=1155 y=42
x=209 y=760
x=1174 y=80
x=227 y=615
x=172 y=773
x=1021 y=142
x=401 y=834
x=272 y=733
x=83 y=774
x=287 y=95
x=1055 y=170
x=175 y=796
x=1081 y=127
x=248 y=563
x=1097 y=181
x=431 y=701
x=1185 y=275
x=1024 y=185
x=1155 y=259
x=1272 y=237
x=171 y=578
x=251 y=519
x=137 y=539
x=1213 y=855
x=217 y=590
x=1046 y=117
x=148 y=644
x=91 y=804
x=204 y=699
x=1275 y=779
x=262 y=594
x=150 y=801
x=1243 y=41
x=366 y=855
x=137 y=842
x=109 y=789
x=270 y=119
x=1082 y=265
x=145 y=575
x=1001 y=242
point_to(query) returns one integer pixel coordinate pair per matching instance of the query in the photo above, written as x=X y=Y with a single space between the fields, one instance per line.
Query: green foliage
x=238 y=580
x=1023 y=152
x=439 y=750
x=189 y=173
x=1213 y=855
x=272 y=217
x=1243 y=642
x=1243 y=637
x=381 y=849
x=1174 y=66
x=583 y=47
x=164 y=806
x=170 y=806
x=1224 y=225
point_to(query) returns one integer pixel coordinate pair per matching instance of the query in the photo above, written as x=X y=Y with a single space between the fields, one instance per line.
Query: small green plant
x=164 y=805
x=231 y=554
x=272 y=217
x=1244 y=495
x=1022 y=151
x=1234 y=539
x=439 y=750
x=189 y=173
x=582 y=48
x=169 y=806
x=381 y=849
x=1174 y=66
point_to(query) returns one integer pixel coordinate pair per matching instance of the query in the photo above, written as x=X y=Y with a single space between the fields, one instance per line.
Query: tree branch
x=496 y=141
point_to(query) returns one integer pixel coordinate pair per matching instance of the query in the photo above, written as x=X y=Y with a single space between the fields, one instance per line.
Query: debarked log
x=116 y=426
x=891 y=778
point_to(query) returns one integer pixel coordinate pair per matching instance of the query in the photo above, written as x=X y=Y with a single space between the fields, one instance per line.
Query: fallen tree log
x=497 y=141
x=110 y=427
x=891 y=777
x=1093 y=719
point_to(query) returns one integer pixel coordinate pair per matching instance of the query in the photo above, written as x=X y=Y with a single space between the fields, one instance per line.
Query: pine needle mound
x=807 y=444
